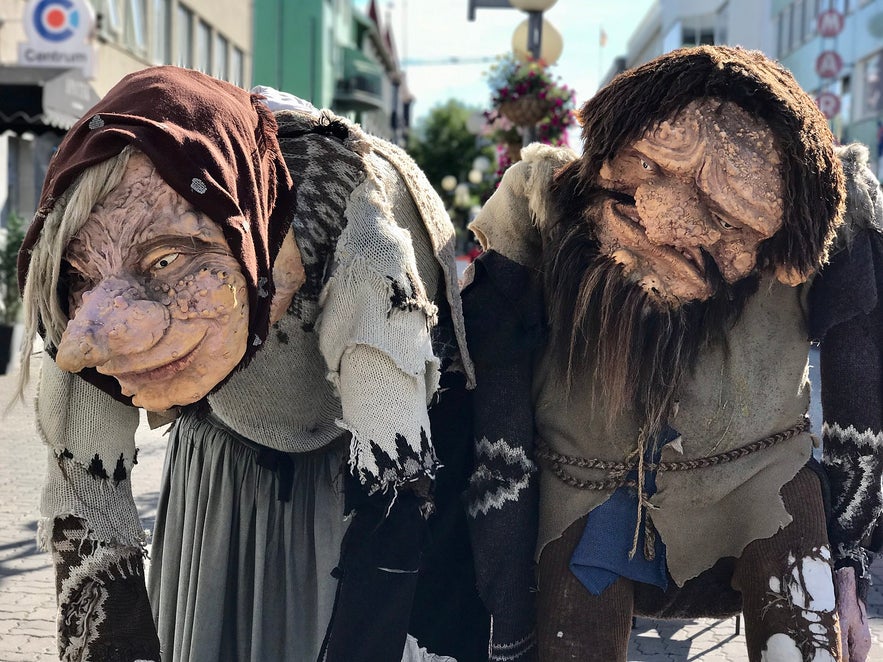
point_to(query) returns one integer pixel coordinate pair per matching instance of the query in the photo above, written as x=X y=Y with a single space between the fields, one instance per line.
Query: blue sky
x=434 y=30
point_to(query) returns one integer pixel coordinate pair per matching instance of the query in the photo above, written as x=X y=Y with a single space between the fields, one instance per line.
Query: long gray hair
x=43 y=311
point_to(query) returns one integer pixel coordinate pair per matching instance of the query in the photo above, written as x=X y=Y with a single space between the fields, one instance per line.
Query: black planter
x=5 y=346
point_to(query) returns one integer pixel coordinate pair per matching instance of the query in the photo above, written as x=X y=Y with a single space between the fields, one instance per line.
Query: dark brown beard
x=637 y=349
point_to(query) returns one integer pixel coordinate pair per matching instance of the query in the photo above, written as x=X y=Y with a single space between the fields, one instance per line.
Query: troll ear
x=288 y=277
x=791 y=276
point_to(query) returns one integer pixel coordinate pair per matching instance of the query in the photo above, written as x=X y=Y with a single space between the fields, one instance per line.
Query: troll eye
x=647 y=165
x=164 y=261
x=76 y=279
x=722 y=223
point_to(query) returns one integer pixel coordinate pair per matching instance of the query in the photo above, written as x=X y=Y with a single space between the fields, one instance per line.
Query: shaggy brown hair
x=639 y=350
x=813 y=183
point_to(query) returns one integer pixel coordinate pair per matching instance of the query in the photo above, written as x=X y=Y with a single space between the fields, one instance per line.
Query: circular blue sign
x=55 y=20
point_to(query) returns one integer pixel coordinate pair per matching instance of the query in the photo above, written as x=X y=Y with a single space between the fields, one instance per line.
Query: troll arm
x=846 y=316
x=90 y=523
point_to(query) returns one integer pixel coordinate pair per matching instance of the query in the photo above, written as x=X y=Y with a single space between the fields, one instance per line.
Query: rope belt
x=617 y=472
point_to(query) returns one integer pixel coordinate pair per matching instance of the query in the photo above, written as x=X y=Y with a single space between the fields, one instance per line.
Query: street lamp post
x=534 y=9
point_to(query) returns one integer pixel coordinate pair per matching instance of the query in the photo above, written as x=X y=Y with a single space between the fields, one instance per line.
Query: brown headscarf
x=213 y=143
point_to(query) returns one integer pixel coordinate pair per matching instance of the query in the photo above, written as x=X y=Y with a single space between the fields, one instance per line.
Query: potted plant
x=10 y=301
x=525 y=92
x=522 y=94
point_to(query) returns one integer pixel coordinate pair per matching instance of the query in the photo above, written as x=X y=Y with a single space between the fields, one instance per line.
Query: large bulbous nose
x=115 y=318
x=676 y=215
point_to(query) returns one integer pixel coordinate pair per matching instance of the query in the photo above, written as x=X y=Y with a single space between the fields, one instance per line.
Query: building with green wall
x=334 y=56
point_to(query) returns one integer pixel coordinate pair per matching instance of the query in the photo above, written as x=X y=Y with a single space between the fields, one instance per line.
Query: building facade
x=834 y=48
x=334 y=56
x=670 y=24
x=58 y=57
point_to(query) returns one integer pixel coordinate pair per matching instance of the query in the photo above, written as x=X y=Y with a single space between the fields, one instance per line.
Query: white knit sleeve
x=91 y=440
x=374 y=333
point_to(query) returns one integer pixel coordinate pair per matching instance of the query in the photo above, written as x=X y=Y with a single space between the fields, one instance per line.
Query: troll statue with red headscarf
x=282 y=285
x=641 y=320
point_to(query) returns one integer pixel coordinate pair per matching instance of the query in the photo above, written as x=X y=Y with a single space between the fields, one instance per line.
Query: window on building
x=110 y=19
x=794 y=33
x=12 y=175
x=161 y=28
x=695 y=37
x=780 y=34
x=800 y=21
x=722 y=18
x=872 y=97
x=204 y=47
x=136 y=37
x=846 y=98
x=237 y=63
x=184 y=56
x=786 y=30
x=219 y=50
x=812 y=16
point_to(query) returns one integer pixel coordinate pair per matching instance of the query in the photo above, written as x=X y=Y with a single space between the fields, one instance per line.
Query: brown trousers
x=782 y=585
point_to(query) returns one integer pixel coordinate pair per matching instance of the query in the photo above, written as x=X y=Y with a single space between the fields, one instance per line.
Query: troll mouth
x=626 y=212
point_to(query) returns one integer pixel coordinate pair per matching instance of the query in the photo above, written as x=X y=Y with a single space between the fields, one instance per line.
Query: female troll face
x=157 y=276
x=156 y=298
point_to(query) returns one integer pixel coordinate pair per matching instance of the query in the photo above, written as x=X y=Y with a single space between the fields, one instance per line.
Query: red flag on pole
x=602 y=38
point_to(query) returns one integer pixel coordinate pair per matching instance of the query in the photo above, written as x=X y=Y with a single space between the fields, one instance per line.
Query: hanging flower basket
x=525 y=110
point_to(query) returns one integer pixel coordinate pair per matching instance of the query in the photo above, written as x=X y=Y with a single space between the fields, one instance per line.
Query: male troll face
x=698 y=192
x=157 y=300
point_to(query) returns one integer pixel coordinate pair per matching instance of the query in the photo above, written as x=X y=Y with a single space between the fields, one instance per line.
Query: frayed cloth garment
x=249 y=578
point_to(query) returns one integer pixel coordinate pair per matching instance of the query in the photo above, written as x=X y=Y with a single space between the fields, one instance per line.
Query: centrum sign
x=59 y=35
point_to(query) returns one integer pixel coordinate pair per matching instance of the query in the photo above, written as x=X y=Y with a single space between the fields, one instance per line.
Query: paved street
x=27 y=602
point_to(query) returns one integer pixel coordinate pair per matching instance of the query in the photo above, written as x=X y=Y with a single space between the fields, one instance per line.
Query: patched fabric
x=91 y=442
x=374 y=332
x=803 y=597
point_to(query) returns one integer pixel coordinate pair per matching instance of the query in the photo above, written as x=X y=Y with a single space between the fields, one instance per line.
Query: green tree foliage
x=442 y=145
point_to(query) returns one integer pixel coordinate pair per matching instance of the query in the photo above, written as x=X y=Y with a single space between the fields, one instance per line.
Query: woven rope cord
x=617 y=471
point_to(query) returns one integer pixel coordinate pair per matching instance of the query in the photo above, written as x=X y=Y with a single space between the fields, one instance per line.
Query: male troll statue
x=283 y=284
x=641 y=320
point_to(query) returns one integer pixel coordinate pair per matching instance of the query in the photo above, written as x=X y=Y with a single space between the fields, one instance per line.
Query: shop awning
x=38 y=99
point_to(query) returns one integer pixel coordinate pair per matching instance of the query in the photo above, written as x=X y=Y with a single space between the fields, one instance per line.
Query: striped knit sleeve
x=503 y=307
x=846 y=316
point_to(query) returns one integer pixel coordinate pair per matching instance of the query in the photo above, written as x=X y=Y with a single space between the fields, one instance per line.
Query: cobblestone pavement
x=27 y=599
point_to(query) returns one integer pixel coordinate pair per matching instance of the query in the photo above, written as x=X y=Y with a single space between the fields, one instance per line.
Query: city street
x=27 y=602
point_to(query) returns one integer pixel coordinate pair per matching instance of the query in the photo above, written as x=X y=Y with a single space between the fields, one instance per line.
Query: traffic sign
x=829 y=64
x=830 y=23
x=829 y=104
